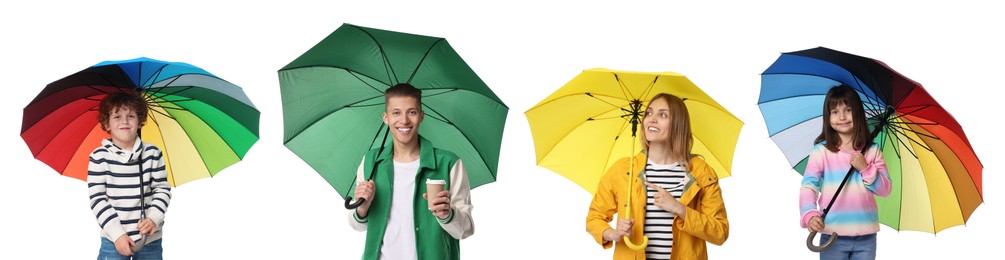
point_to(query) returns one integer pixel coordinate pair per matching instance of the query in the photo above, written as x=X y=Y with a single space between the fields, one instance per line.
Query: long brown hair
x=680 y=140
x=843 y=94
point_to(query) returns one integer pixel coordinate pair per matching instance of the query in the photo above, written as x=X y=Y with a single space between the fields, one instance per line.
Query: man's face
x=403 y=116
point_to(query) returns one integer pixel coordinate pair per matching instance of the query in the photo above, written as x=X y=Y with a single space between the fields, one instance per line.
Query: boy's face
x=403 y=116
x=123 y=124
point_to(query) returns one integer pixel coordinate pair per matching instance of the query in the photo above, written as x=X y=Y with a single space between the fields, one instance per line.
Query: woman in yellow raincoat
x=675 y=197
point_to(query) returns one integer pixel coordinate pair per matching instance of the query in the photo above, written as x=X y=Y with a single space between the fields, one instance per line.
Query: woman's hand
x=624 y=229
x=667 y=202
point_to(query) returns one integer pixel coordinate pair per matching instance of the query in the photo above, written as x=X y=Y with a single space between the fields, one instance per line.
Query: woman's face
x=656 y=123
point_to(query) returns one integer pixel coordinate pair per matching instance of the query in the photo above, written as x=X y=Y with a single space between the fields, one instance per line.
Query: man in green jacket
x=396 y=215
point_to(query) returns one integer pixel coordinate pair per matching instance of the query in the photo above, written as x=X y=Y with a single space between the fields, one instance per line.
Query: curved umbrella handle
x=353 y=205
x=821 y=247
x=139 y=245
x=633 y=246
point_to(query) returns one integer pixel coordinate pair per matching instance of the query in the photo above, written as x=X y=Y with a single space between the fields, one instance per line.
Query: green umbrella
x=333 y=97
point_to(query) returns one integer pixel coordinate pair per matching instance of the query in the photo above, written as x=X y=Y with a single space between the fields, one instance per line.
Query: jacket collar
x=426 y=154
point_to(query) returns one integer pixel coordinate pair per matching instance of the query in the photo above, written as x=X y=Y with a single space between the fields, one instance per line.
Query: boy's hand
x=364 y=190
x=123 y=245
x=816 y=224
x=147 y=226
x=441 y=204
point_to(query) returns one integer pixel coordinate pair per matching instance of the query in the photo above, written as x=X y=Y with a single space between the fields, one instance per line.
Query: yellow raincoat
x=705 y=219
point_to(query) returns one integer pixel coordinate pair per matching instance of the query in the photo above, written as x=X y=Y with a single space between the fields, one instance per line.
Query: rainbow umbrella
x=201 y=123
x=935 y=173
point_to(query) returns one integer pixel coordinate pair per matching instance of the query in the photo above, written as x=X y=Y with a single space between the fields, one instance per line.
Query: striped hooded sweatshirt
x=113 y=181
x=855 y=212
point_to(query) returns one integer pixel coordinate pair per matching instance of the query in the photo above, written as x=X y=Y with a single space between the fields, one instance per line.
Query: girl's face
x=123 y=124
x=841 y=120
x=656 y=123
x=403 y=116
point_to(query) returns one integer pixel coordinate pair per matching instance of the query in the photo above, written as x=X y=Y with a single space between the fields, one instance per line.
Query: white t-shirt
x=399 y=237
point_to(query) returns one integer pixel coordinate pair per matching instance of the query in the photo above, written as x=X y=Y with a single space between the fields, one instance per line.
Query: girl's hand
x=858 y=161
x=816 y=224
x=665 y=201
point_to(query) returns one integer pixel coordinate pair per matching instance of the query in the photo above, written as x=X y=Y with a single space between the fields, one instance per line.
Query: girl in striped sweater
x=127 y=182
x=839 y=147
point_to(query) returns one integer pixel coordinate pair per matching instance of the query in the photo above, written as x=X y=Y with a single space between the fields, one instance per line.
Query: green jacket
x=432 y=242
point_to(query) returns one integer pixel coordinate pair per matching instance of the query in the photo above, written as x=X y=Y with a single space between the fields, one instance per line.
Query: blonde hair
x=680 y=140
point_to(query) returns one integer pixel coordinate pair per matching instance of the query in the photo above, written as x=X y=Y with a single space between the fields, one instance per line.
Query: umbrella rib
x=601 y=100
x=387 y=64
x=164 y=149
x=913 y=110
x=788 y=97
x=793 y=125
x=444 y=118
x=565 y=135
x=624 y=89
x=98 y=89
x=448 y=90
x=57 y=134
x=158 y=90
x=707 y=104
x=903 y=132
x=481 y=154
x=356 y=75
x=421 y=61
x=157 y=73
x=353 y=104
x=285 y=141
x=908 y=129
x=645 y=93
x=905 y=145
x=610 y=151
x=162 y=95
x=870 y=103
x=877 y=101
x=201 y=157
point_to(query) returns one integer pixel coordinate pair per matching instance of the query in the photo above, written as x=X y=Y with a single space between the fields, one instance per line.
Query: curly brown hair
x=115 y=101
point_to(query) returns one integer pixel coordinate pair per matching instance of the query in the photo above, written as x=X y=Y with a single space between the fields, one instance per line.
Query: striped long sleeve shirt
x=114 y=184
x=659 y=222
x=854 y=212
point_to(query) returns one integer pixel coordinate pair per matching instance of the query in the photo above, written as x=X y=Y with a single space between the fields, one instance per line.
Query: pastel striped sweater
x=854 y=213
x=113 y=181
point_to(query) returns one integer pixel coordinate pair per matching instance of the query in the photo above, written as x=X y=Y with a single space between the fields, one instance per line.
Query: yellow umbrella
x=591 y=122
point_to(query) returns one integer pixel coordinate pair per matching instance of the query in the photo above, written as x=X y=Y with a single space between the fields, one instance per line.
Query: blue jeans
x=850 y=247
x=152 y=250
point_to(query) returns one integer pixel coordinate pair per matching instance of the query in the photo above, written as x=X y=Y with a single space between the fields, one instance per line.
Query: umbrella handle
x=633 y=246
x=353 y=205
x=821 y=247
x=139 y=245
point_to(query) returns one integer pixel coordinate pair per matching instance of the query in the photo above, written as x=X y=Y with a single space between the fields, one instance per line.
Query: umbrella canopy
x=333 y=97
x=935 y=172
x=591 y=122
x=201 y=123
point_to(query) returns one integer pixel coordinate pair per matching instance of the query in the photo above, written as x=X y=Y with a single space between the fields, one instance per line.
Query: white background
x=272 y=205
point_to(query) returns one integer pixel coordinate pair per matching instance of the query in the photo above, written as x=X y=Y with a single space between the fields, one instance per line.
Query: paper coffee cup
x=433 y=187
